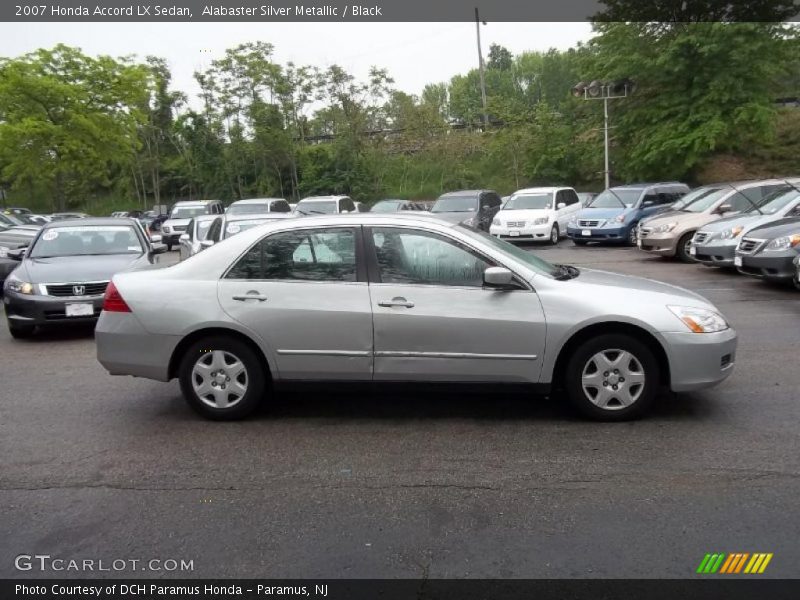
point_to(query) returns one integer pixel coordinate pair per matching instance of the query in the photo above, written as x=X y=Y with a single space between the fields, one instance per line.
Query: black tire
x=255 y=377
x=645 y=362
x=580 y=242
x=633 y=235
x=20 y=332
x=555 y=233
x=169 y=247
x=682 y=249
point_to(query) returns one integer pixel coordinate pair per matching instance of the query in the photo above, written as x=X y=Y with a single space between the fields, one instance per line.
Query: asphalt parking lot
x=330 y=484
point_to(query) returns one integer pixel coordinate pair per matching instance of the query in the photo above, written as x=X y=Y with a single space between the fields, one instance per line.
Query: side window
x=305 y=255
x=651 y=197
x=346 y=204
x=743 y=201
x=419 y=257
x=279 y=206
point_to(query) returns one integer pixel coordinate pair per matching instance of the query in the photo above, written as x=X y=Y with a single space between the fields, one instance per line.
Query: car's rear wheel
x=682 y=249
x=554 y=234
x=613 y=377
x=222 y=378
x=19 y=331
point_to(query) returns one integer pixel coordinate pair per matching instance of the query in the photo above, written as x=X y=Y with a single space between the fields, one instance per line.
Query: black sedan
x=62 y=276
x=769 y=251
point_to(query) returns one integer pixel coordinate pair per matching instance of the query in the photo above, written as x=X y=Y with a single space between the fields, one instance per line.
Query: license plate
x=737 y=261
x=83 y=309
x=692 y=250
x=513 y=233
x=587 y=232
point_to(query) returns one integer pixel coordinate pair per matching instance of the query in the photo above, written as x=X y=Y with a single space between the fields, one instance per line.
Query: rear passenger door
x=305 y=294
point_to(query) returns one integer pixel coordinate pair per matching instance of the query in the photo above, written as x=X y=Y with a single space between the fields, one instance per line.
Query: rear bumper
x=124 y=347
x=718 y=256
x=47 y=310
x=700 y=360
x=779 y=267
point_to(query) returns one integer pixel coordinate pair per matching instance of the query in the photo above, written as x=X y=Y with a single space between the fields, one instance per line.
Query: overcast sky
x=414 y=53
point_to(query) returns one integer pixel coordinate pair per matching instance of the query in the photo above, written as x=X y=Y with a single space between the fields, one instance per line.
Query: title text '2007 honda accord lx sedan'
x=403 y=298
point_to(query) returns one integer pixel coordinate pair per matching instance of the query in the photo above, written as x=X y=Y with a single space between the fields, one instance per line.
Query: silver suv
x=182 y=213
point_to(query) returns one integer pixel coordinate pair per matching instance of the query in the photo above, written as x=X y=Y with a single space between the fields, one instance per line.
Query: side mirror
x=497 y=277
x=724 y=208
x=155 y=239
x=647 y=203
x=561 y=205
x=17 y=254
x=206 y=243
x=157 y=248
x=184 y=237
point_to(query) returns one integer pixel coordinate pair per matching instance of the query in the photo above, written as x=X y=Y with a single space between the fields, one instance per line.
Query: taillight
x=112 y=301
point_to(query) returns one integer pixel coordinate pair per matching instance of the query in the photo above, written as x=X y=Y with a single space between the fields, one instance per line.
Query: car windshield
x=775 y=201
x=615 y=199
x=529 y=201
x=203 y=228
x=317 y=207
x=238 y=226
x=87 y=240
x=515 y=252
x=387 y=206
x=251 y=208
x=455 y=204
x=188 y=212
x=705 y=201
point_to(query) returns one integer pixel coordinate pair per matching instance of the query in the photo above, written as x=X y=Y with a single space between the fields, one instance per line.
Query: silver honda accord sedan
x=401 y=298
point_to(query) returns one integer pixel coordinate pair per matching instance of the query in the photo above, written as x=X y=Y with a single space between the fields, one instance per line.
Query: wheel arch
x=616 y=327
x=198 y=334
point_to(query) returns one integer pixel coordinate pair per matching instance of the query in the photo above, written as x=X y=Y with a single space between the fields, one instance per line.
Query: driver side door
x=433 y=319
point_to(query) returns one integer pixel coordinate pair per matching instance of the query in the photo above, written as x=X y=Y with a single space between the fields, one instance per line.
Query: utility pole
x=605 y=132
x=480 y=69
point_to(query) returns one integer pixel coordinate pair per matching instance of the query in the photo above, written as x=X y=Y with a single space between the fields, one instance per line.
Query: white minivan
x=539 y=213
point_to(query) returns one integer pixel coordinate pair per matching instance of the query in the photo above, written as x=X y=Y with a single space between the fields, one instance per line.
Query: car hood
x=77 y=268
x=602 y=213
x=685 y=220
x=785 y=226
x=626 y=283
x=747 y=221
x=14 y=241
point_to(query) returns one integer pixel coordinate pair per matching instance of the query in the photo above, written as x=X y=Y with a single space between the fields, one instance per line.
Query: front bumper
x=663 y=244
x=599 y=234
x=533 y=232
x=124 y=347
x=717 y=256
x=773 y=266
x=47 y=310
x=699 y=360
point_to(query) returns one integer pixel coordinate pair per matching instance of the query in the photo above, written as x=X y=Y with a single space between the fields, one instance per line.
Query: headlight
x=699 y=320
x=15 y=284
x=620 y=219
x=783 y=243
x=731 y=233
x=541 y=220
x=165 y=228
x=665 y=228
x=573 y=221
x=495 y=221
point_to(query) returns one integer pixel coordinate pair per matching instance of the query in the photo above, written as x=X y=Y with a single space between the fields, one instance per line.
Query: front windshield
x=235 y=227
x=528 y=258
x=529 y=202
x=187 y=212
x=706 y=201
x=447 y=204
x=615 y=199
x=254 y=208
x=203 y=229
x=87 y=240
x=386 y=206
x=317 y=207
x=777 y=200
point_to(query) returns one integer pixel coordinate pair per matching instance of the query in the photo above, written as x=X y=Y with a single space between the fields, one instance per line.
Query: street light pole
x=480 y=69
x=605 y=131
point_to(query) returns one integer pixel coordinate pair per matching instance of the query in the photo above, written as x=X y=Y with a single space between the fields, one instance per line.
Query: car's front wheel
x=612 y=377
x=682 y=250
x=222 y=378
x=18 y=331
x=554 y=234
x=633 y=235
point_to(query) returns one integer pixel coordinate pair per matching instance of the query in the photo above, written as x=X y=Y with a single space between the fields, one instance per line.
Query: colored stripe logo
x=734 y=563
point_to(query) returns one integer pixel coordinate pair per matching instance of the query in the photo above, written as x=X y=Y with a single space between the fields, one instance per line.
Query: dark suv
x=474 y=208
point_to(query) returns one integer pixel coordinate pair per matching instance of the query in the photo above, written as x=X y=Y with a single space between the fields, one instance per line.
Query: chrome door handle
x=396 y=302
x=250 y=296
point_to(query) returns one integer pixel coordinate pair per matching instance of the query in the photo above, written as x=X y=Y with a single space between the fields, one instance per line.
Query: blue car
x=613 y=215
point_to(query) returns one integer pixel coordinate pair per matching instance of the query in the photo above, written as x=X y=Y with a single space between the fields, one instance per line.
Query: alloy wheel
x=219 y=378
x=613 y=379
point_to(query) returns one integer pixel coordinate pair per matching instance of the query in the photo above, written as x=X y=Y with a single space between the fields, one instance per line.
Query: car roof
x=642 y=186
x=546 y=190
x=91 y=221
x=464 y=193
x=194 y=202
x=257 y=200
x=322 y=198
